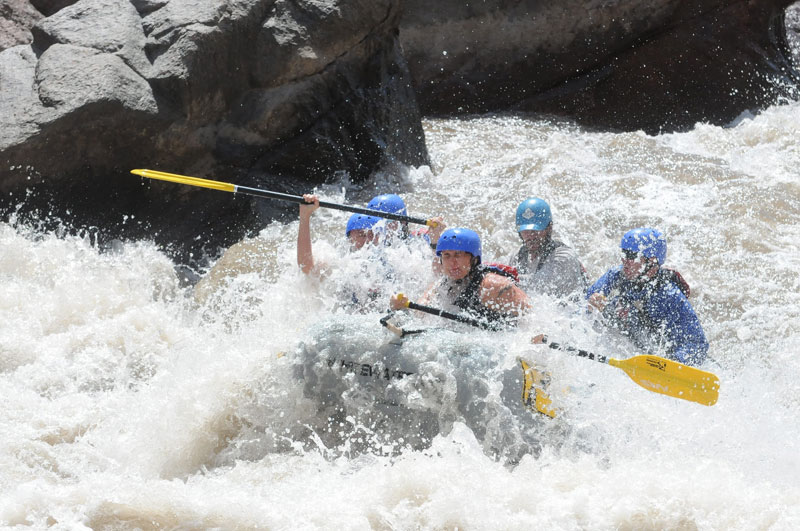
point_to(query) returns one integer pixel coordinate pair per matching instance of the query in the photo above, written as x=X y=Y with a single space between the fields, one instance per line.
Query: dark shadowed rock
x=271 y=93
x=48 y=7
x=793 y=32
x=636 y=64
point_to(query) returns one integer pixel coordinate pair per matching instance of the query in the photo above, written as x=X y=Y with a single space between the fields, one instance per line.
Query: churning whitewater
x=132 y=401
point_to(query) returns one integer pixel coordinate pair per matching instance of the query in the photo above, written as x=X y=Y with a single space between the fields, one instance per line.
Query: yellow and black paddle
x=257 y=192
x=656 y=374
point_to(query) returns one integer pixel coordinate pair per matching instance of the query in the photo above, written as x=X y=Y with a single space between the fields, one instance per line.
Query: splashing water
x=132 y=402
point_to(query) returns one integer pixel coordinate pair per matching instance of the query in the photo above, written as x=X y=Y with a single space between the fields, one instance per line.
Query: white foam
x=129 y=402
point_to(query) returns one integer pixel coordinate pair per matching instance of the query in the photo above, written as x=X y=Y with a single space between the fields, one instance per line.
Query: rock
x=16 y=19
x=22 y=110
x=72 y=79
x=116 y=29
x=641 y=64
x=280 y=94
x=48 y=7
x=793 y=32
x=285 y=94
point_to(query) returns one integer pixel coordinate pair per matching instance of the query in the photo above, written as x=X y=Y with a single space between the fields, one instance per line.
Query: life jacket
x=524 y=257
x=403 y=235
x=676 y=278
x=665 y=275
x=551 y=246
x=503 y=269
x=419 y=233
x=470 y=298
x=422 y=233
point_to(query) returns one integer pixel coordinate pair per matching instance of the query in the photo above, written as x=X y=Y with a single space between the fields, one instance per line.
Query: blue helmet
x=359 y=222
x=389 y=203
x=651 y=243
x=533 y=214
x=460 y=240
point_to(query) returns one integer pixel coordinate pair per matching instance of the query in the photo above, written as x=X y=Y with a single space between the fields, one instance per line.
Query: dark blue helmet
x=359 y=222
x=460 y=240
x=651 y=243
x=389 y=203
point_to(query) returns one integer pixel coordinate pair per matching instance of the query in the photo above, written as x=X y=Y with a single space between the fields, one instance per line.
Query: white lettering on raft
x=367 y=370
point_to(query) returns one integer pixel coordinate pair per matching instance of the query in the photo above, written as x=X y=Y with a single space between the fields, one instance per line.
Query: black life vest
x=667 y=274
x=626 y=304
x=470 y=298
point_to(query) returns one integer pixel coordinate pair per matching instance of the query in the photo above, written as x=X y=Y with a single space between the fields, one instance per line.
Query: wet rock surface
x=286 y=94
x=276 y=94
x=638 y=64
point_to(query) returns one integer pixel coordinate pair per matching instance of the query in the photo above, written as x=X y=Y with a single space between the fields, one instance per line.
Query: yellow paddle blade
x=184 y=179
x=671 y=378
x=533 y=394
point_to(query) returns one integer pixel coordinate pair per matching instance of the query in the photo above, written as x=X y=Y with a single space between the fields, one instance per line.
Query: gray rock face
x=283 y=94
x=16 y=19
x=630 y=64
x=279 y=94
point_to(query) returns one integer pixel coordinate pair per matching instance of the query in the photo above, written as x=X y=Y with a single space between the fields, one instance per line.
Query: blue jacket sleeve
x=603 y=284
x=681 y=326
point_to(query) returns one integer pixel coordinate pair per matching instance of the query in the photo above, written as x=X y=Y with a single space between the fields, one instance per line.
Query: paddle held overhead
x=257 y=192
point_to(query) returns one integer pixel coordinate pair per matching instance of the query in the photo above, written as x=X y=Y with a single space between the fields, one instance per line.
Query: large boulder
x=280 y=94
x=16 y=19
x=636 y=64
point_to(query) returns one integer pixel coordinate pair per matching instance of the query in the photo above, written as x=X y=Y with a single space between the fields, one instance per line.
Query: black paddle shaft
x=576 y=351
x=448 y=315
x=336 y=206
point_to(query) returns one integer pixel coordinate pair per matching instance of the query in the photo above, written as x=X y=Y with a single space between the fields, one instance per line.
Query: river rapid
x=133 y=402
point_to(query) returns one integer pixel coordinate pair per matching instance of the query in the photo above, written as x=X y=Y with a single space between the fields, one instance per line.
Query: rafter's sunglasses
x=629 y=255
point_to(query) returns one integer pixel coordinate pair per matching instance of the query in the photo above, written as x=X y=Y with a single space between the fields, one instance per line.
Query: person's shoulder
x=565 y=254
x=518 y=258
x=500 y=288
x=607 y=279
x=671 y=294
x=613 y=273
x=492 y=279
x=668 y=299
x=562 y=248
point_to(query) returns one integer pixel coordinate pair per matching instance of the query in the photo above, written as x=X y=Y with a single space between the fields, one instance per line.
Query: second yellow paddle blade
x=534 y=396
x=185 y=179
x=671 y=378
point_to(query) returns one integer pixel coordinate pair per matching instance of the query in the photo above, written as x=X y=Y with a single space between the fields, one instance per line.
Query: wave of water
x=132 y=402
